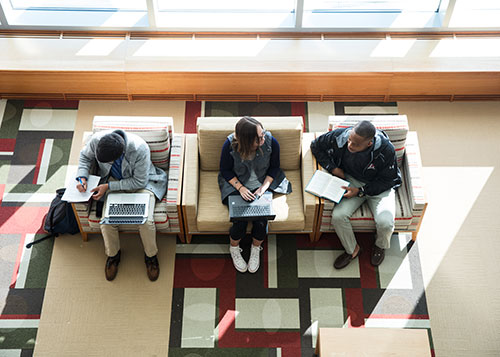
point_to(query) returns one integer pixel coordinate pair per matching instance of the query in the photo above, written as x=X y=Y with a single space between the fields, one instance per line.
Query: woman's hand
x=260 y=191
x=246 y=194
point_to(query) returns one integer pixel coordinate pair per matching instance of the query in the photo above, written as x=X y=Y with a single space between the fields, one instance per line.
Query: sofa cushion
x=213 y=131
x=395 y=126
x=156 y=131
x=213 y=216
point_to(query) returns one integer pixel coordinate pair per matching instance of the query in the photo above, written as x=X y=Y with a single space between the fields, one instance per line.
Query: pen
x=81 y=182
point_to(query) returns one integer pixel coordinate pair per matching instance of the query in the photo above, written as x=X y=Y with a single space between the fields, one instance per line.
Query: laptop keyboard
x=127 y=209
x=251 y=211
x=130 y=220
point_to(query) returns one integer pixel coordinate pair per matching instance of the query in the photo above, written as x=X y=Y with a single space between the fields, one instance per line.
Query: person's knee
x=238 y=230
x=259 y=229
x=108 y=228
x=339 y=217
x=150 y=225
x=385 y=222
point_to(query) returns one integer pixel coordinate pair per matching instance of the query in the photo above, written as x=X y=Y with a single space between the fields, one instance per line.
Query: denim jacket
x=260 y=163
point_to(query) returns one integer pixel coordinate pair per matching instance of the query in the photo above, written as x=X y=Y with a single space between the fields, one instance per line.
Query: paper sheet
x=73 y=195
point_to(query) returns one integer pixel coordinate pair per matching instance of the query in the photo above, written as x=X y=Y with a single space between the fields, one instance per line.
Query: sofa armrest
x=412 y=173
x=174 y=186
x=190 y=183
x=308 y=167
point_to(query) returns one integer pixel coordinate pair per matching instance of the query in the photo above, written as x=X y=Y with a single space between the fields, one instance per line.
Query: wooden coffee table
x=372 y=342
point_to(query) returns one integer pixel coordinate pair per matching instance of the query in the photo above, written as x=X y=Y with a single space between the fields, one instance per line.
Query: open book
x=325 y=185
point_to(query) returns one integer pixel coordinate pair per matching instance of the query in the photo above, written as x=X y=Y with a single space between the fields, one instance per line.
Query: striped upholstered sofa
x=410 y=196
x=167 y=150
x=203 y=211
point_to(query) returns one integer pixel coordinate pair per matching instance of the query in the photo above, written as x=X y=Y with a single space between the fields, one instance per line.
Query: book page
x=334 y=191
x=318 y=183
x=73 y=195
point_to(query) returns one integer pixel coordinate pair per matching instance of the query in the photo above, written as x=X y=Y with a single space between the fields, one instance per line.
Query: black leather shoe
x=152 y=267
x=111 y=268
x=378 y=255
x=344 y=259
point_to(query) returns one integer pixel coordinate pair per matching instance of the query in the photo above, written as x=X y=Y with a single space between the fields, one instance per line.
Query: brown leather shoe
x=344 y=259
x=111 y=268
x=378 y=255
x=152 y=267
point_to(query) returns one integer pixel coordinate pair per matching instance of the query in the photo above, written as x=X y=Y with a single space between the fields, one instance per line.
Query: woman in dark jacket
x=249 y=166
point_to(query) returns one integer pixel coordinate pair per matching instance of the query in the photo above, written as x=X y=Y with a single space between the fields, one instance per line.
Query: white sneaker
x=254 y=261
x=239 y=263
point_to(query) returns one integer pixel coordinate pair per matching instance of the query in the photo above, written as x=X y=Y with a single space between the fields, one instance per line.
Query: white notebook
x=73 y=195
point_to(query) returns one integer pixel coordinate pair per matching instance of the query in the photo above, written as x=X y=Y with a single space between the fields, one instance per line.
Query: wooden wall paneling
x=64 y=82
x=445 y=83
x=259 y=83
x=250 y=86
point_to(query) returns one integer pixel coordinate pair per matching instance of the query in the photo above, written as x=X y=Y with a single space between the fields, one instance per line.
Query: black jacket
x=381 y=172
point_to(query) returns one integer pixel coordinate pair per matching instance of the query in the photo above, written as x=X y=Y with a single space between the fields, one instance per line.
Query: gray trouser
x=383 y=207
x=147 y=232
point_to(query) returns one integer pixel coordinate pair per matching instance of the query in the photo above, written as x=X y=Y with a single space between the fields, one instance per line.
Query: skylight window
x=103 y=14
x=92 y=5
x=477 y=13
x=370 y=5
x=226 y=13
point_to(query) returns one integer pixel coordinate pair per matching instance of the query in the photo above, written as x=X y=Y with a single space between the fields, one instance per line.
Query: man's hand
x=99 y=191
x=350 y=191
x=338 y=172
x=246 y=194
x=82 y=184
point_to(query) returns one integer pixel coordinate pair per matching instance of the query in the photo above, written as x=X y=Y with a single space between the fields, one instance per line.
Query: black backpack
x=60 y=219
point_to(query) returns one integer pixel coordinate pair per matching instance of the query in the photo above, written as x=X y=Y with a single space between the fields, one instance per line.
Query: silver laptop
x=126 y=208
x=260 y=208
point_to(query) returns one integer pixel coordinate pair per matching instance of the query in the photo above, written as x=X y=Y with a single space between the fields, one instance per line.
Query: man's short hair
x=110 y=147
x=365 y=129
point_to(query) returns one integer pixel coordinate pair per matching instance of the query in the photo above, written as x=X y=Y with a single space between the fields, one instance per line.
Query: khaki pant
x=147 y=232
x=383 y=207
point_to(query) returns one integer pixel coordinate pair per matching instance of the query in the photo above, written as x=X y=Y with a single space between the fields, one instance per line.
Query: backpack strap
x=29 y=245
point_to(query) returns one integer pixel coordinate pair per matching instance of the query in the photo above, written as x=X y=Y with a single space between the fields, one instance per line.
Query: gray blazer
x=137 y=169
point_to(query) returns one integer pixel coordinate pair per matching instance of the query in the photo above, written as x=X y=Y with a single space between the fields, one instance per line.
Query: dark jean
x=239 y=228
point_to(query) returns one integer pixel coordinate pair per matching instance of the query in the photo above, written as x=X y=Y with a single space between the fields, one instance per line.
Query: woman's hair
x=245 y=136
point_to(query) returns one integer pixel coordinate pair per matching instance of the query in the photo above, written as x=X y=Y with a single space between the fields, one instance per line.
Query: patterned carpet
x=35 y=140
x=275 y=312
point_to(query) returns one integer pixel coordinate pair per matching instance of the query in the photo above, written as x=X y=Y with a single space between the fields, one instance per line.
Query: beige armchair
x=411 y=200
x=167 y=150
x=202 y=208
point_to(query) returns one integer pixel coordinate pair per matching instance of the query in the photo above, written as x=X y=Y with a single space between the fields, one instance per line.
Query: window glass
x=223 y=14
x=477 y=13
x=228 y=5
x=95 y=5
x=370 y=5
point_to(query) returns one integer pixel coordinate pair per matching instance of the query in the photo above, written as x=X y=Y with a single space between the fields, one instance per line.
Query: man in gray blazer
x=123 y=161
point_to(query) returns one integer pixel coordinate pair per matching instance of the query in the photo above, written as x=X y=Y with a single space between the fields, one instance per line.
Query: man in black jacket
x=365 y=157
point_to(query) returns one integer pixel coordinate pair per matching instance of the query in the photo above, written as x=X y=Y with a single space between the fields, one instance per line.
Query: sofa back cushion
x=213 y=131
x=156 y=131
x=395 y=126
